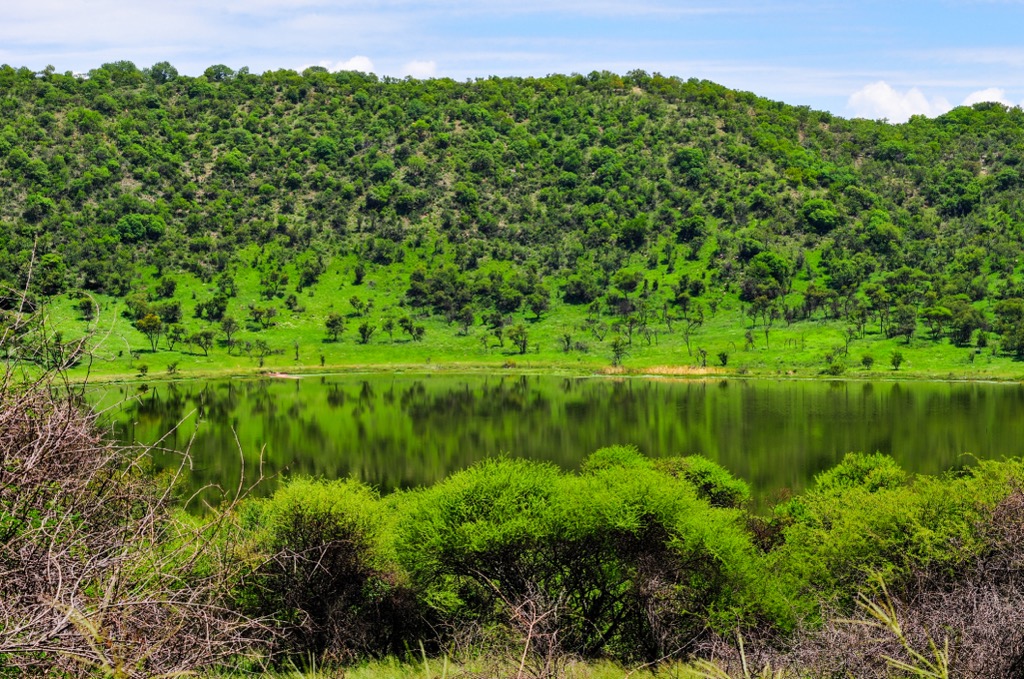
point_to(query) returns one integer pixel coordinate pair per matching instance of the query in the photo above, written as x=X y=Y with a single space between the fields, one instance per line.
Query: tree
x=169 y=312
x=176 y=333
x=896 y=359
x=936 y=318
x=203 y=339
x=272 y=284
x=229 y=326
x=820 y=215
x=165 y=288
x=581 y=288
x=261 y=349
x=262 y=317
x=904 y=322
x=691 y=165
x=690 y=325
x=87 y=308
x=152 y=327
x=496 y=322
x=519 y=336
x=218 y=73
x=133 y=228
x=162 y=72
x=768 y=275
x=620 y=347
x=965 y=319
x=51 y=274
x=213 y=309
x=466 y=319
x=538 y=302
x=1010 y=324
x=335 y=325
x=366 y=330
x=359 y=306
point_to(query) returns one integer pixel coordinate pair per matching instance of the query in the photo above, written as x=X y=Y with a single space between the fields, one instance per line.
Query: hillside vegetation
x=233 y=220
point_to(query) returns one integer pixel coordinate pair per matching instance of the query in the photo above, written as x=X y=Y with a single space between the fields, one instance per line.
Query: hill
x=232 y=220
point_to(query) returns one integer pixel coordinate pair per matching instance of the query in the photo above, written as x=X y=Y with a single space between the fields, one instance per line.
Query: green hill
x=567 y=221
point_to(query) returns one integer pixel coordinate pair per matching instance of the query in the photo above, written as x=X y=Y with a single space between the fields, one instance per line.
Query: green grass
x=799 y=350
x=439 y=668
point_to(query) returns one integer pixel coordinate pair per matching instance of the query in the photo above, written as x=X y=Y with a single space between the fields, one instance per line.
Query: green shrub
x=323 y=571
x=620 y=559
x=860 y=470
x=616 y=457
x=866 y=516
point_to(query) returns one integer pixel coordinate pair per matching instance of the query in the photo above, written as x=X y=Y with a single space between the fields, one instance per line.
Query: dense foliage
x=628 y=558
x=621 y=559
x=650 y=201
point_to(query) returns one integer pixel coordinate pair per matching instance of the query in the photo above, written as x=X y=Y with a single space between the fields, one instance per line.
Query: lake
x=402 y=430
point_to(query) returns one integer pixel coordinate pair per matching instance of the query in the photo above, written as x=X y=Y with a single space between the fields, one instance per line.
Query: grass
x=301 y=345
x=392 y=668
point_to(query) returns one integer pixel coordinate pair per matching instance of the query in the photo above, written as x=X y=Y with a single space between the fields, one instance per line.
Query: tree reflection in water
x=403 y=431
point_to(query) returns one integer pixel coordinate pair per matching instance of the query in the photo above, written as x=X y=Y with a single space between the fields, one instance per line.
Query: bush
x=322 y=570
x=858 y=470
x=978 y=608
x=867 y=516
x=621 y=559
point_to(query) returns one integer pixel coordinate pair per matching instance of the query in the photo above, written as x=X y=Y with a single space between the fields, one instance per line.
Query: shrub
x=619 y=559
x=858 y=470
x=896 y=359
x=322 y=570
x=867 y=516
x=99 y=576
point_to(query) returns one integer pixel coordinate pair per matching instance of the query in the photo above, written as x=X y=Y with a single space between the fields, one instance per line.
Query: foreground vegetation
x=507 y=568
x=234 y=222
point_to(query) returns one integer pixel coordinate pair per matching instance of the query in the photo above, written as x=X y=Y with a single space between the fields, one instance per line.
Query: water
x=400 y=431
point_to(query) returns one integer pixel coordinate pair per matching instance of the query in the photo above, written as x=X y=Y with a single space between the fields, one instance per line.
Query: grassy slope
x=797 y=350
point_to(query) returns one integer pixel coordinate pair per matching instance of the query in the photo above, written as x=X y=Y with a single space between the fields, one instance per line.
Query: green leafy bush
x=867 y=516
x=321 y=567
x=621 y=559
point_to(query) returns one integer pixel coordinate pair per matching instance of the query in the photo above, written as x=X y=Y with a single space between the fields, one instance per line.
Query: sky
x=869 y=59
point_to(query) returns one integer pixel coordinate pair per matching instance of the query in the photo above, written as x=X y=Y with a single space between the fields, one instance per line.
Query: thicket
x=630 y=559
x=650 y=201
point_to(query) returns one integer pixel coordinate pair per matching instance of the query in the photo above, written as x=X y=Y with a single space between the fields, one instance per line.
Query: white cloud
x=880 y=100
x=356 y=63
x=420 y=69
x=991 y=94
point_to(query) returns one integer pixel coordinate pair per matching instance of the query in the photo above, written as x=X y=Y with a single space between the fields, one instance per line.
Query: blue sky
x=873 y=59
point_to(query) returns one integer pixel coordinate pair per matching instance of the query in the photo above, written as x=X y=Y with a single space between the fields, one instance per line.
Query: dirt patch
x=674 y=370
x=683 y=370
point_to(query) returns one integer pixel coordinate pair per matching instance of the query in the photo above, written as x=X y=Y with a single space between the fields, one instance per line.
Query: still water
x=400 y=431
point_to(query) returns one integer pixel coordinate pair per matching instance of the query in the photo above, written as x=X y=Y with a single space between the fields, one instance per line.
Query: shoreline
x=663 y=372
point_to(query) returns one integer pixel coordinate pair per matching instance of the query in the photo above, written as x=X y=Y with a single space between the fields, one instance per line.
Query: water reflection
x=401 y=431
